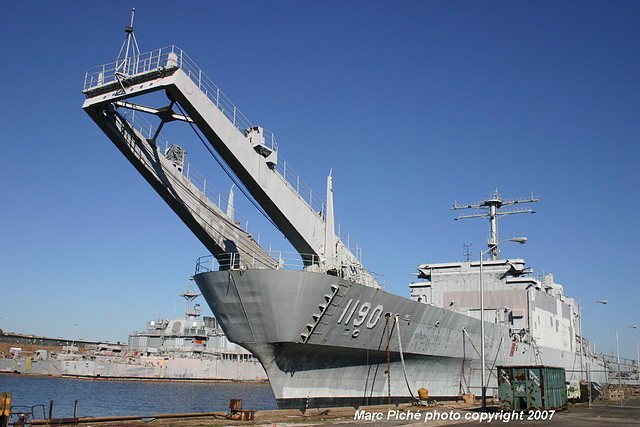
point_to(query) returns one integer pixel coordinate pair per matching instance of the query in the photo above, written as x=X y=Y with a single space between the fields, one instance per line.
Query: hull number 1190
x=361 y=314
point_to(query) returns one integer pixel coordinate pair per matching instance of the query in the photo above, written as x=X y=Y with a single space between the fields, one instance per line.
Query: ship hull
x=326 y=341
x=142 y=368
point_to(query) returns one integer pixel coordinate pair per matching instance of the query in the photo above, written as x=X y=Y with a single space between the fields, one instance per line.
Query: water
x=99 y=398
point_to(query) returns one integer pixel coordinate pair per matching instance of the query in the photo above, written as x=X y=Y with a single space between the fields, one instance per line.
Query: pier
x=446 y=413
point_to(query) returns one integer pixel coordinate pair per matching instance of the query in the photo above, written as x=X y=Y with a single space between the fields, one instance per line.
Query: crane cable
x=228 y=172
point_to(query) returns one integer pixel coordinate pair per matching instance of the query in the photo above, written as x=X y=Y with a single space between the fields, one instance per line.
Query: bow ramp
x=249 y=151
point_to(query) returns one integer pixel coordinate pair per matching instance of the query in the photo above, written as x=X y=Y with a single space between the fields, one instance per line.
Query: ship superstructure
x=535 y=311
x=193 y=335
x=327 y=334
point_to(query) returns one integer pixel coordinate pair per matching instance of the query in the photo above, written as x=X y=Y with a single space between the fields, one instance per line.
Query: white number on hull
x=375 y=316
x=365 y=309
x=345 y=310
x=362 y=314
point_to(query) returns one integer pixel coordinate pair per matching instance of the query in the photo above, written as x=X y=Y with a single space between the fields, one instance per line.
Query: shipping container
x=527 y=388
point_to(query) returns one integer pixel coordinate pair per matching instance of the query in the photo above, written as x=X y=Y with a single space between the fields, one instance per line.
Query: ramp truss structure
x=249 y=151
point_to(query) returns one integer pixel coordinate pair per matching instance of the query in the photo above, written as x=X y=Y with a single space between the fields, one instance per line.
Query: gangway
x=249 y=151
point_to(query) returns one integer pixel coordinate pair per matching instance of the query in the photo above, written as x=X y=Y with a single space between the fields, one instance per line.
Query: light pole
x=521 y=240
x=638 y=360
x=582 y=367
x=618 y=352
x=602 y=301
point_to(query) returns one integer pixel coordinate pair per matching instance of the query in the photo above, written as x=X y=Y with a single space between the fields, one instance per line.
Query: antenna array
x=490 y=207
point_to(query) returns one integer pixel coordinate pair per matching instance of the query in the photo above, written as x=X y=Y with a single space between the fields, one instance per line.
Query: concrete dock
x=454 y=413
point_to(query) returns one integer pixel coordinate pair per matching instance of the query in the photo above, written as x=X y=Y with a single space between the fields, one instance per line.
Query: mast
x=491 y=210
x=329 y=228
x=129 y=48
x=230 y=208
x=190 y=295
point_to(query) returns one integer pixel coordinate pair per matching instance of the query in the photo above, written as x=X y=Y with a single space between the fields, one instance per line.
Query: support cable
x=496 y=358
x=240 y=245
x=229 y=173
x=478 y=353
x=244 y=310
x=470 y=342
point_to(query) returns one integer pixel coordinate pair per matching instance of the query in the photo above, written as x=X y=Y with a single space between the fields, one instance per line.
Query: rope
x=479 y=355
x=496 y=358
x=388 y=356
x=471 y=342
x=463 y=381
x=404 y=368
x=536 y=352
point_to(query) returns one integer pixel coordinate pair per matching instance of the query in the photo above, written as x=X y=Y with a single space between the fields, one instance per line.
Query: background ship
x=189 y=348
x=327 y=334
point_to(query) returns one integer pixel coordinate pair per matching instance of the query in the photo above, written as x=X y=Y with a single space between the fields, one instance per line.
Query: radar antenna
x=129 y=49
x=467 y=250
x=491 y=209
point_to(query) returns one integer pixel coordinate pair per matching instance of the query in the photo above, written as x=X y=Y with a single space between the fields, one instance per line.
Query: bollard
x=237 y=413
x=5 y=409
x=235 y=405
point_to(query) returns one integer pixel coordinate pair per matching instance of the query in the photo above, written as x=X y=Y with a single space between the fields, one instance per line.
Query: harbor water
x=101 y=398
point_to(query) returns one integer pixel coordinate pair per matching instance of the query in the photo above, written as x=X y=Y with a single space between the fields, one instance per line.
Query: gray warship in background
x=189 y=348
x=320 y=323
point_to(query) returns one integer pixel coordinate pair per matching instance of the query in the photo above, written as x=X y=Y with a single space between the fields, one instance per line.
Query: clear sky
x=414 y=104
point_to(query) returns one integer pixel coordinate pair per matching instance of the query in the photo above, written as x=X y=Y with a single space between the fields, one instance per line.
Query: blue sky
x=413 y=104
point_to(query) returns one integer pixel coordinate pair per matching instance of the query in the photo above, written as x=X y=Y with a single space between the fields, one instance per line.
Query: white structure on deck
x=536 y=311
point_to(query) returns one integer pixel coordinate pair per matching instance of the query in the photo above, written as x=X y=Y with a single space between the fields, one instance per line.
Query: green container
x=527 y=388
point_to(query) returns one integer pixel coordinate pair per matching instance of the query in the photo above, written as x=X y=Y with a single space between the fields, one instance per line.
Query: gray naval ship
x=188 y=348
x=320 y=323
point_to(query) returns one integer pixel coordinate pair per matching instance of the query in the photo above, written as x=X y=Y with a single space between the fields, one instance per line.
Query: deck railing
x=167 y=58
x=139 y=122
x=284 y=261
x=172 y=57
